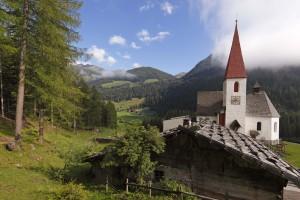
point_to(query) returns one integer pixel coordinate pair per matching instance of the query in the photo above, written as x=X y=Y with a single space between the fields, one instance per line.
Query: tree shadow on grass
x=80 y=174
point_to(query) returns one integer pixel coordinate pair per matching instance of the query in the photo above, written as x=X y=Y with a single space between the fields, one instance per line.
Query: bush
x=139 y=196
x=73 y=157
x=71 y=191
x=175 y=186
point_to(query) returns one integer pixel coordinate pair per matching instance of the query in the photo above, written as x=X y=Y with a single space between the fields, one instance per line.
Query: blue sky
x=122 y=34
x=173 y=35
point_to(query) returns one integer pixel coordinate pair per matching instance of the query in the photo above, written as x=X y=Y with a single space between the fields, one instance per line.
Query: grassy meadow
x=292 y=154
x=33 y=173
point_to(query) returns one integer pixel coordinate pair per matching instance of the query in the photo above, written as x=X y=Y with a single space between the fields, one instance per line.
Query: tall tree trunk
x=74 y=124
x=1 y=90
x=52 y=120
x=21 y=87
x=34 y=108
x=41 y=126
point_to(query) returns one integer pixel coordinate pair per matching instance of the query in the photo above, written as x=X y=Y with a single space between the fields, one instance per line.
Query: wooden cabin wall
x=209 y=169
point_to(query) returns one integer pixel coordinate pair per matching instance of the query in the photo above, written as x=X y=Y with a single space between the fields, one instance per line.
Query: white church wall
x=235 y=112
x=275 y=128
x=266 y=132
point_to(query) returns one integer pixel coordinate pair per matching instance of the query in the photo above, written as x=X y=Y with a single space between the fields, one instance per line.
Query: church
x=250 y=113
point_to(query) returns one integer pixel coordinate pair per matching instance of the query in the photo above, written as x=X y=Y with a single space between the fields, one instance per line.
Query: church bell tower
x=235 y=87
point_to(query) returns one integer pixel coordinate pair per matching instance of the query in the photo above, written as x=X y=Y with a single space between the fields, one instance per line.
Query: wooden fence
x=179 y=192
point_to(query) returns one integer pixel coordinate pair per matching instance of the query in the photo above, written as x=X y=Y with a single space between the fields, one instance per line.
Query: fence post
x=180 y=191
x=106 y=185
x=127 y=185
x=150 y=192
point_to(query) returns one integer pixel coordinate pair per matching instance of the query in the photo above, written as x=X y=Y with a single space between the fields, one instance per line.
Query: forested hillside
x=134 y=83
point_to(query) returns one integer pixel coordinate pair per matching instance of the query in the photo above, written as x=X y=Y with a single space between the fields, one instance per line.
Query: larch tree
x=52 y=80
x=42 y=40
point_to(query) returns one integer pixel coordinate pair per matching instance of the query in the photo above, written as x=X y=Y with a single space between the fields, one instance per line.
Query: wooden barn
x=224 y=164
x=213 y=161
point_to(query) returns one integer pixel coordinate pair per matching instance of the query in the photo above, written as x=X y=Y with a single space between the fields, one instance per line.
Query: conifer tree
x=47 y=35
x=22 y=65
x=110 y=115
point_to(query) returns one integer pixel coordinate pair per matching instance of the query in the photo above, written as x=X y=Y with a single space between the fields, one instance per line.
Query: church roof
x=259 y=105
x=209 y=102
x=235 y=65
x=245 y=147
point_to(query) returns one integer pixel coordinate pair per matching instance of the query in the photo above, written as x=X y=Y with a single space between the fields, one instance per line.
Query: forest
x=37 y=49
x=177 y=97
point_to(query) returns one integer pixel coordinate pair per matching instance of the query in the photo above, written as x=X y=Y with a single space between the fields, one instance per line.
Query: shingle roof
x=209 y=102
x=235 y=65
x=259 y=105
x=244 y=146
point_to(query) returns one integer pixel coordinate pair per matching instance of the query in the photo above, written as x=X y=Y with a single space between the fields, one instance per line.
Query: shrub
x=71 y=191
x=175 y=186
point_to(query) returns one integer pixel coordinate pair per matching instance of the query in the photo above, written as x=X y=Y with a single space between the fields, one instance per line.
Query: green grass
x=125 y=105
x=116 y=84
x=153 y=80
x=26 y=174
x=29 y=174
x=292 y=154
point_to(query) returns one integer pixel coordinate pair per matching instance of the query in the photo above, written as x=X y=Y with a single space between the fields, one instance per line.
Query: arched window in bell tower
x=236 y=86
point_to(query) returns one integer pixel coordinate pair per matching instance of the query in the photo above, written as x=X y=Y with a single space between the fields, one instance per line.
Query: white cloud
x=119 y=73
x=145 y=36
x=149 y=5
x=82 y=62
x=136 y=65
x=100 y=55
x=111 y=60
x=126 y=56
x=135 y=46
x=167 y=8
x=118 y=40
x=269 y=30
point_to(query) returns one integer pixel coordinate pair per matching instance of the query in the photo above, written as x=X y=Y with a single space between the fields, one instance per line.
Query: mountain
x=89 y=72
x=121 y=85
x=206 y=67
x=145 y=73
x=181 y=94
x=180 y=75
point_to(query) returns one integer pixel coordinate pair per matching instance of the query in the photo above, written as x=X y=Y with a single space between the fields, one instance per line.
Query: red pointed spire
x=235 y=66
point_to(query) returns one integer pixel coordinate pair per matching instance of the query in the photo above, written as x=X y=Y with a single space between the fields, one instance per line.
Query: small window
x=158 y=175
x=275 y=127
x=258 y=126
x=236 y=87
